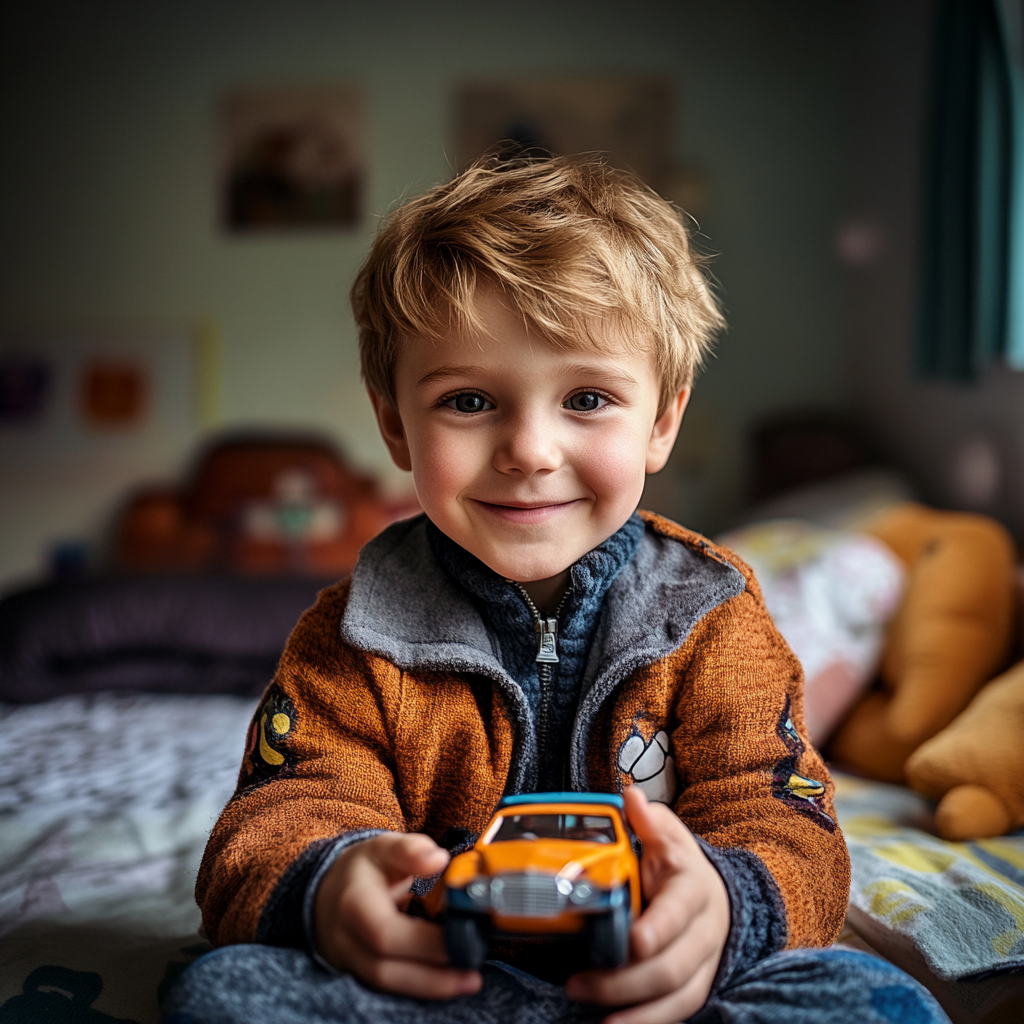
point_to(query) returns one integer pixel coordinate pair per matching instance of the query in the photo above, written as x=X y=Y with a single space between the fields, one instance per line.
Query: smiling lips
x=526 y=513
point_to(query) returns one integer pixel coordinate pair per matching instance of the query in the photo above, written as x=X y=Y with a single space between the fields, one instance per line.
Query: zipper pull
x=547 y=652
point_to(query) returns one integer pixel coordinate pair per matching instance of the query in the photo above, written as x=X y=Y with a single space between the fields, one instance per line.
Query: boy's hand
x=360 y=926
x=677 y=942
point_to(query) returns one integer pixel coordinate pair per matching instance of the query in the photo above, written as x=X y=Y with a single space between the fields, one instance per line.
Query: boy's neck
x=546 y=594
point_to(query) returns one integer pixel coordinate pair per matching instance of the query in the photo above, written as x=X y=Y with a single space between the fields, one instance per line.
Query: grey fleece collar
x=404 y=607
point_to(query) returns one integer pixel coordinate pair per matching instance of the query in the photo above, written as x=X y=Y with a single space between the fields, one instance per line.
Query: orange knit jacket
x=390 y=711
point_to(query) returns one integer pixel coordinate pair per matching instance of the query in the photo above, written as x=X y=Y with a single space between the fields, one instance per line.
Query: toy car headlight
x=584 y=893
x=479 y=891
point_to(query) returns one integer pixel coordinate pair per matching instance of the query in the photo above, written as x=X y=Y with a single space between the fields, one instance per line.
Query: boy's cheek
x=439 y=482
x=614 y=469
x=441 y=467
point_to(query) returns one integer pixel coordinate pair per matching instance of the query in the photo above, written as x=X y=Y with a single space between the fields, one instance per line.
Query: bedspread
x=105 y=805
x=106 y=802
x=961 y=905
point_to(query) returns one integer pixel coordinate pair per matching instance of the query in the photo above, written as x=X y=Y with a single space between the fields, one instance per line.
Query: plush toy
x=975 y=767
x=951 y=634
x=277 y=505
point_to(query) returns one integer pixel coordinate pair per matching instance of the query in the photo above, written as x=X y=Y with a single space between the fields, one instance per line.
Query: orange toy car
x=548 y=864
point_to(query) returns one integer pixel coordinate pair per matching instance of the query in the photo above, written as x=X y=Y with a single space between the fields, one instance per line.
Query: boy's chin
x=528 y=559
x=528 y=567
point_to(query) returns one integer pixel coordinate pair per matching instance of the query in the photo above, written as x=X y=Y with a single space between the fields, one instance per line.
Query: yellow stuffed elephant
x=975 y=767
x=952 y=633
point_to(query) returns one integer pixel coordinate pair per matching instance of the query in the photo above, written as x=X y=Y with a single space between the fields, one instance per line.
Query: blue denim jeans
x=268 y=985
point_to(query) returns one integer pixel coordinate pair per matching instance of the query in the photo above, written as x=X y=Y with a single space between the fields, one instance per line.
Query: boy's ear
x=391 y=429
x=666 y=427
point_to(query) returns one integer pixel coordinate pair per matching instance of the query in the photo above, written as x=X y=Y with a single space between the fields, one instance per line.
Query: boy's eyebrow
x=444 y=372
x=616 y=375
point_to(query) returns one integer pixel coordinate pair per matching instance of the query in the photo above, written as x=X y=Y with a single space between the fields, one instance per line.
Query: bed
x=100 y=838
x=124 y=701
x=108 y=789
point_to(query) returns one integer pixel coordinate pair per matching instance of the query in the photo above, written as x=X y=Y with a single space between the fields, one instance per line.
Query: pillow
x=183 y=634
x=831 y=594
x=846 y=502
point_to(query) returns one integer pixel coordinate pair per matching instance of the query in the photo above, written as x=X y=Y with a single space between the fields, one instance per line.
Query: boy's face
x=526 y=455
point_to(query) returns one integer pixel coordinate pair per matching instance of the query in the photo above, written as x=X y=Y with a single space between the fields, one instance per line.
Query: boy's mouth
x=525 y=512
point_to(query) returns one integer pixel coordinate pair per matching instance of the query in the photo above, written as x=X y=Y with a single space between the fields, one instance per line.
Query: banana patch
x=267 y=750
x=803 y=794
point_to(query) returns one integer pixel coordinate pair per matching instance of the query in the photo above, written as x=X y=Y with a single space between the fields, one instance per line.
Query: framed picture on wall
x=292 y=157
x=629 y=118
x=114 y=393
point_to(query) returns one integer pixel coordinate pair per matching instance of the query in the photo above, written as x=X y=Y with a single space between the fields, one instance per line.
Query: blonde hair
x=576 y=246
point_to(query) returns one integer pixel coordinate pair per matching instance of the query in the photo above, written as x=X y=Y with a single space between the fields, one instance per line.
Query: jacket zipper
x=546 y=657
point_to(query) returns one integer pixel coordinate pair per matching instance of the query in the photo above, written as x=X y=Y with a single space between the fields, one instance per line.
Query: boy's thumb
x=638 y=811
x=648 y=820
x=403 y=855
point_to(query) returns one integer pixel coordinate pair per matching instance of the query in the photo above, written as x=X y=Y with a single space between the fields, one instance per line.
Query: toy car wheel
x=608 y=937
x=464 y=940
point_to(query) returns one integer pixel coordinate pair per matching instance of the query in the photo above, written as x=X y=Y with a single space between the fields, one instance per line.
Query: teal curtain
x=969 y=258
x=1012 y=24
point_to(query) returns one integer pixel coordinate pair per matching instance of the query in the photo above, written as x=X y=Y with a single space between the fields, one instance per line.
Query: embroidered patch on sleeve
x=801 y=793
x=267 y=751
x=649 y=765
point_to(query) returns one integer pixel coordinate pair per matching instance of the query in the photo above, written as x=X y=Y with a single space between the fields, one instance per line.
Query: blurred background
x=188 y=189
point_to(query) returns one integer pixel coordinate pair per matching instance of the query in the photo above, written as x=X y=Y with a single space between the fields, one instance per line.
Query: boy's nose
x=528 y=445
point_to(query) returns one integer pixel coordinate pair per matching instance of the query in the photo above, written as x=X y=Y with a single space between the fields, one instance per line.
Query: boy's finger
x=679 y=1005
x=654 y=823
x=419 y=981
x=668 y=916
x=671 y=969
x=414 y=979
x=400 y=855
x=370 y=916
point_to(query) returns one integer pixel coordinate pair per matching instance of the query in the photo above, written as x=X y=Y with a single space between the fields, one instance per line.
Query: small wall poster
x=114 y=393
x=292 y=157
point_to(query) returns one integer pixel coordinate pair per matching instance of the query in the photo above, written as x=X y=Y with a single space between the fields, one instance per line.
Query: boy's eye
x=468 y=401
x=585 y=401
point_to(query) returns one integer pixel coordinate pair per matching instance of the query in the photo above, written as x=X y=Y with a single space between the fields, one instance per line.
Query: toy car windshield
x=585 y=828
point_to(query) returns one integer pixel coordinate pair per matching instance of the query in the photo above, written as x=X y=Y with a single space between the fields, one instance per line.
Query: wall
x=108 y=205
x=925 y=425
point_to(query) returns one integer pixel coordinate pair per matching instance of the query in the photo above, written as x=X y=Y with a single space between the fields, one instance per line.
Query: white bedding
x=105 y=805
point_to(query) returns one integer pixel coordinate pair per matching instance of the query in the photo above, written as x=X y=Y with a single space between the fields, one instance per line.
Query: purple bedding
x=167 y=634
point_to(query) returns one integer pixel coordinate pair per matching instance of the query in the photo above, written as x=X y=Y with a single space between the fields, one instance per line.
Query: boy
x=529 y=333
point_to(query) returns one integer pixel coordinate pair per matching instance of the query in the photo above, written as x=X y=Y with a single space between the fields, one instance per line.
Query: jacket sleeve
x=753 y=788
x=315 y=776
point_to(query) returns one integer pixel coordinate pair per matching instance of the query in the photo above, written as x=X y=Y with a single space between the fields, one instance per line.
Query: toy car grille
x=526 y=895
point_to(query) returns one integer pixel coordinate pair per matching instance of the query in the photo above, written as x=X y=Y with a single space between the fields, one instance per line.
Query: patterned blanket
x=105 y=805
x=961 y=905
x=106 y=802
